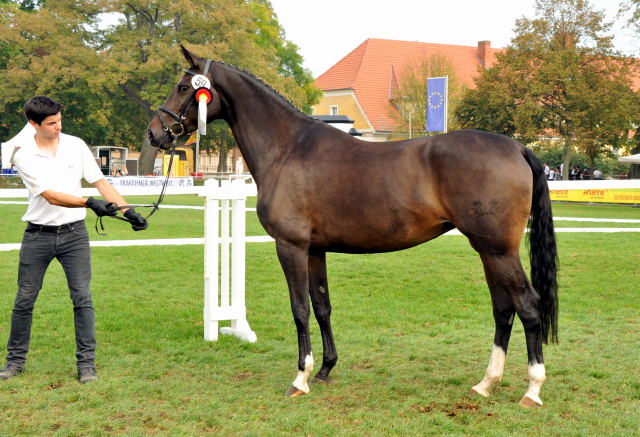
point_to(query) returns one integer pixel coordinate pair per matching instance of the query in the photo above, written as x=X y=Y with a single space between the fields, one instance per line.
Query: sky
x=326 y=31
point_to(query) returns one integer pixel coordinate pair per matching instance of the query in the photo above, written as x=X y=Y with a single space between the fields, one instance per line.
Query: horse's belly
x=367 y=239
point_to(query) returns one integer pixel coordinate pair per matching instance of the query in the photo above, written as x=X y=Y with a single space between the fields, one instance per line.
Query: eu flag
x=437 y=104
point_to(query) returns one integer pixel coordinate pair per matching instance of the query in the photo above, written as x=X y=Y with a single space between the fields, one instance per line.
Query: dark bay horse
x=321 y=190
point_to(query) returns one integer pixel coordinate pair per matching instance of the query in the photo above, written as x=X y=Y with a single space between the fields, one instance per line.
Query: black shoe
x=87 y=374
x=10 y=371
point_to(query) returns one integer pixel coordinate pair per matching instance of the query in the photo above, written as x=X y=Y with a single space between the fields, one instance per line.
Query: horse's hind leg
x=511 y=292
x=319 y=291
x=503 y=314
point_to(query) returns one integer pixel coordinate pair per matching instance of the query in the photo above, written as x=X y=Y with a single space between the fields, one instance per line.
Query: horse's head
x=178 y=116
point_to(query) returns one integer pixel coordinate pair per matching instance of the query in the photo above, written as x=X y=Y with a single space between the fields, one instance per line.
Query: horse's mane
x=247 y=74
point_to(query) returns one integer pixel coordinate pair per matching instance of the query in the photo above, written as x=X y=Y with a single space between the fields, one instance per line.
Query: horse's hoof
x=474 y=391
x=528 y=401
x=294 y=392
x=321 y=380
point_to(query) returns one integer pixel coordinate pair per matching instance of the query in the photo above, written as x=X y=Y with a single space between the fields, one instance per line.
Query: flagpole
x=195 y=159
x=446 y=103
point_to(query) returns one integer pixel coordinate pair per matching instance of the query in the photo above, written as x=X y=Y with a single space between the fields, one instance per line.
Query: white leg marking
x=536 y=379
x=494 y=372
x=301 y=380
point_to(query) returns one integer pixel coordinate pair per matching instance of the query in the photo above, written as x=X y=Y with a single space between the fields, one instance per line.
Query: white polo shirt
x=40 y=172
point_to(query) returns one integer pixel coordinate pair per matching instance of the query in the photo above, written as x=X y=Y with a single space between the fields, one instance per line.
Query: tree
x=47 y=52
x=632 y=7
x=633 y=23
x=270 y=35
x=559 y=77
x=409 y=100
x=111 y=79
x=140 y=52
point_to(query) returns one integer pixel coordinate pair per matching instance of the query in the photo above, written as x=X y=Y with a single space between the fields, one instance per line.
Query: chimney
x=484 y=47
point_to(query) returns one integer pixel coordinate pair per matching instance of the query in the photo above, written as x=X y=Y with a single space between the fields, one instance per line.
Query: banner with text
x=149 y=181
x=599 y=195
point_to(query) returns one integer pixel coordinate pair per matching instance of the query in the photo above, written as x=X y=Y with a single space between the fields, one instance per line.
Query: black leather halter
x=178 y=128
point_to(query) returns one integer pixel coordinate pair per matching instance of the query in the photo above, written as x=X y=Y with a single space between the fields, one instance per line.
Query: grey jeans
x=69 y=244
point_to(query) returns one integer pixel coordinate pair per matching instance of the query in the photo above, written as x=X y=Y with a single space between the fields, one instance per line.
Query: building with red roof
x=361 y=84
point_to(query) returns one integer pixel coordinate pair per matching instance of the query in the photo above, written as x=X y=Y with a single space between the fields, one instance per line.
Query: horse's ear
x=190 y=57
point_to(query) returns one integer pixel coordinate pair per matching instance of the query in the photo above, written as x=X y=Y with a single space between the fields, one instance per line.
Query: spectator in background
x=547 y=170
x=572 y=173
x=597 y=174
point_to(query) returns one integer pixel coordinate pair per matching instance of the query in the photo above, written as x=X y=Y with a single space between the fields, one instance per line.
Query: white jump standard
x=224 y=277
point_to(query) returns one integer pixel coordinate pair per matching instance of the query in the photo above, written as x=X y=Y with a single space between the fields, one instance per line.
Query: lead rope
x=155 y=205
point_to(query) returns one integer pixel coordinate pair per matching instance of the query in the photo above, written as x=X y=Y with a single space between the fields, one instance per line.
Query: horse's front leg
x=295 y=264
x=319 y=290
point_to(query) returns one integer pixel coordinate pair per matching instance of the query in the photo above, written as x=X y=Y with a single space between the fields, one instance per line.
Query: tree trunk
x=566 y=159
x=634 y=171
x=234 y=159
x=147 y=157
x=222 y=162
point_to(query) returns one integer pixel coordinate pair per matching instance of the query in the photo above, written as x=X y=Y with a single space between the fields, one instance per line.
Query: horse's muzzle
x=158 y=137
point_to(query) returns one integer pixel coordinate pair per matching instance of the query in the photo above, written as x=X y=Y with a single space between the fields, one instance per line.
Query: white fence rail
x=12 y=193
x=140 y=185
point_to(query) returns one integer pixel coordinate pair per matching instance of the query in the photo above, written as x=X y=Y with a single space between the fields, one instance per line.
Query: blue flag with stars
x=437 y=104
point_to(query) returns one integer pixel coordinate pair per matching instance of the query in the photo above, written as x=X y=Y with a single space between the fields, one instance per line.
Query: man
x=51 y=165
x=597 y=174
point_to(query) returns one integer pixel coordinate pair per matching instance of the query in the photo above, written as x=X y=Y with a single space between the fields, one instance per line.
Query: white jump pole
x=224 y=276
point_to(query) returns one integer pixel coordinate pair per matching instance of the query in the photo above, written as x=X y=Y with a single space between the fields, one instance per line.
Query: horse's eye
x=182 y=88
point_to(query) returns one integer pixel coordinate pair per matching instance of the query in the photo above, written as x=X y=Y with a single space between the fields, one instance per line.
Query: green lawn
x=188 y=223
x=413 y=330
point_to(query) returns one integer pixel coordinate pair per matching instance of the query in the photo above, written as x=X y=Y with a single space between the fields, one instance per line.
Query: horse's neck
x=264 y=124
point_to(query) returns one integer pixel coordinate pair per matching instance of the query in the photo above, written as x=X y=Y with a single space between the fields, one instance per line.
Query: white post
x=211 y=243
x=224 y=250
x=224 y=277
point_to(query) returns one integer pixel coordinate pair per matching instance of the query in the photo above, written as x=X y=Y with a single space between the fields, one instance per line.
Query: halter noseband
x=178 y=129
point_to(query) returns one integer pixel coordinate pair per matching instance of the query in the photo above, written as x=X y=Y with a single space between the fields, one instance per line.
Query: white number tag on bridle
x=200 y=81
x=197 y=82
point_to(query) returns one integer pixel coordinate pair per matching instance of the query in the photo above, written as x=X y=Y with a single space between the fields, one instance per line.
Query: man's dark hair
x=40 y=107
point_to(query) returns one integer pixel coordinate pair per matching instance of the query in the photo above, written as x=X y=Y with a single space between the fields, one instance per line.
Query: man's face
x=50 y=127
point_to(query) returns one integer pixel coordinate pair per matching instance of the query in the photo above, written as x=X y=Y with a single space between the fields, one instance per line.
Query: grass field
x=413 y=330
x=176 y=223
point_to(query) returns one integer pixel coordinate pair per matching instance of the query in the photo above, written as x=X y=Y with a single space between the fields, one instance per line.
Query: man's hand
x=101 y=207
x=138 y=223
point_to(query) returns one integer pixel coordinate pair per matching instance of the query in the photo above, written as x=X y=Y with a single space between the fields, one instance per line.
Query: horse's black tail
x=542 y=250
